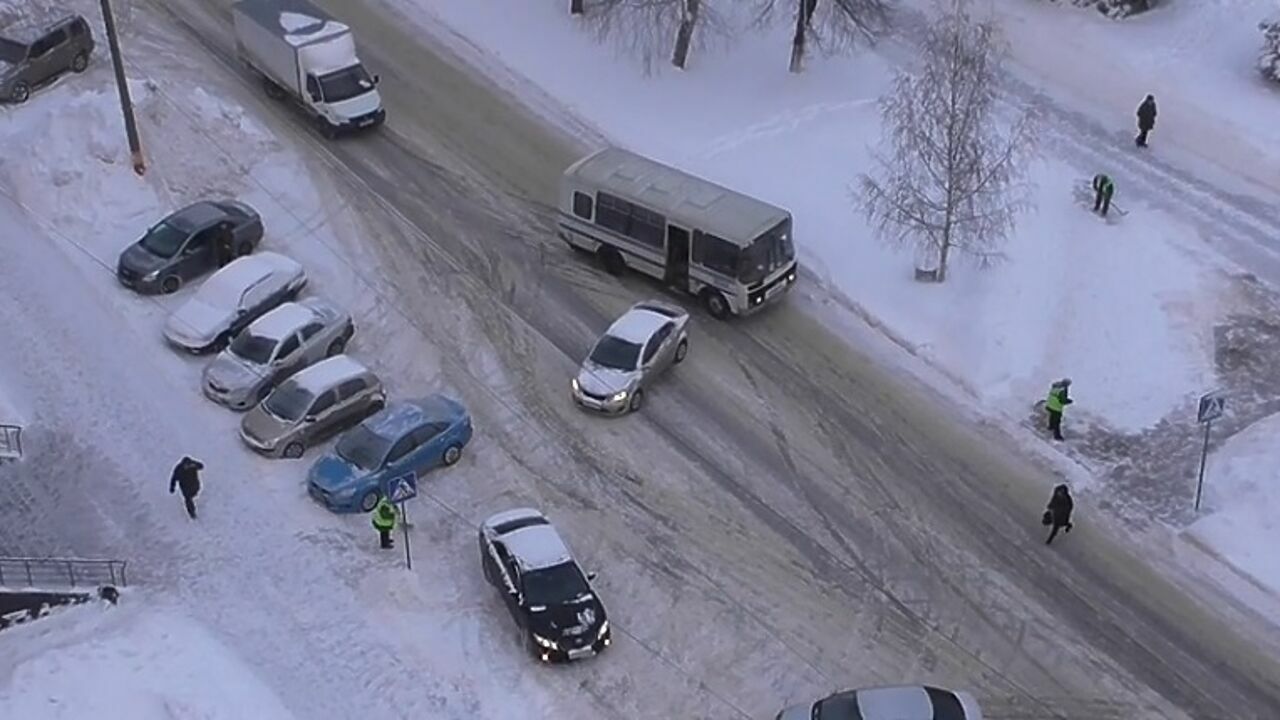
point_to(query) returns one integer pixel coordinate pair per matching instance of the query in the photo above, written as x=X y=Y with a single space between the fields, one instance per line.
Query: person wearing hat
x=1057 y=401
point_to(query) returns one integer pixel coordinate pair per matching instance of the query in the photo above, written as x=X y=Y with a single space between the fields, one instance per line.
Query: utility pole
x=122 y=84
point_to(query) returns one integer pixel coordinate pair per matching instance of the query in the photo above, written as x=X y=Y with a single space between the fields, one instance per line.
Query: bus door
x=678 y=257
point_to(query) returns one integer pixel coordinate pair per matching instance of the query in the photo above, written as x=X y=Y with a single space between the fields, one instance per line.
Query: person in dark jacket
x=1146 y=119
x=1103 y=189
x=1059 y=512
x=186 y=475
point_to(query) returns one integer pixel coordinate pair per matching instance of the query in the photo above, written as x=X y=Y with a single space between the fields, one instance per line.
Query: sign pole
x=1204 y=456
x=408 y=559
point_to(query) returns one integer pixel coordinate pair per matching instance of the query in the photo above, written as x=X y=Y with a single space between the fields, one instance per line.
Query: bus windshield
x=769 y=252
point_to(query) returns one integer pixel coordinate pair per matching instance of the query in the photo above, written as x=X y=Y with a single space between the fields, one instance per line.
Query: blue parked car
x=413 y=436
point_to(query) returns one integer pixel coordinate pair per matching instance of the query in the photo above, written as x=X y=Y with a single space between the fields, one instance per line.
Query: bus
x=733 y=252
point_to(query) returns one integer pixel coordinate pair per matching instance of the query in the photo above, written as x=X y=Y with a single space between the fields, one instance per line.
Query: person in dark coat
x=222 y=249
x=1059 y=513
x=1103 y=189
x=186 y=475
x=1146 y=119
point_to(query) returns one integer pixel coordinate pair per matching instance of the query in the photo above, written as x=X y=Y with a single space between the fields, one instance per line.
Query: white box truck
x=302 y=53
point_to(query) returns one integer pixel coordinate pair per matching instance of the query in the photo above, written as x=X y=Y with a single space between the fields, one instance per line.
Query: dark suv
x=558 y=614
x=64 y=45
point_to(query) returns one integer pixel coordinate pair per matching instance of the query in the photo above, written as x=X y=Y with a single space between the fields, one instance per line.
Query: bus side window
x=582 y=205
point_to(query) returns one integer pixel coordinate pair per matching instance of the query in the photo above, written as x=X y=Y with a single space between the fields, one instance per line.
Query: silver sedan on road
x=648 y=338
x=273 y=348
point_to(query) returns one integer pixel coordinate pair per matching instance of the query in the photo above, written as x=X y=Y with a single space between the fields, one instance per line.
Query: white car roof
x=637 y=325
x=282 y=321
x=327 y=373
x=225 y=286
x=537 y=546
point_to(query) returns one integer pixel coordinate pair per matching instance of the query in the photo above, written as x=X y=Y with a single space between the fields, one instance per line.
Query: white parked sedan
x=232 y=298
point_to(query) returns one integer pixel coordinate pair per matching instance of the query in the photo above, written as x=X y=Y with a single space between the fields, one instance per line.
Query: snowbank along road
x=785 y=516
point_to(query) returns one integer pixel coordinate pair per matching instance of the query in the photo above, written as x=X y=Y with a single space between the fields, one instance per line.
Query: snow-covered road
x=786 y=516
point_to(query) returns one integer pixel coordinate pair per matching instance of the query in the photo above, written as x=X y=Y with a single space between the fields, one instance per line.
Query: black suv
x=41 y=58
x=559 y=616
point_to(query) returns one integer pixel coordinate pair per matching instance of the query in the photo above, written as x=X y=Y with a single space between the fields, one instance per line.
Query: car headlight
x=619 y=396
x=576 y=386
x=544 y=642
x=604 y=630
x=151 y=276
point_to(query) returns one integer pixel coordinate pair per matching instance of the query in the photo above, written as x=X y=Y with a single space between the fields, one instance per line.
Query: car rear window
x=946 y=706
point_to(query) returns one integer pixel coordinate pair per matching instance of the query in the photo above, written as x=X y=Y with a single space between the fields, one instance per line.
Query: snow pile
x=1242 y=495
x=1269 y=59
x=129 y=662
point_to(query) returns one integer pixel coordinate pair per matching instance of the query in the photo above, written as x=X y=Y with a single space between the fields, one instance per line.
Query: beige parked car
x=325 y=399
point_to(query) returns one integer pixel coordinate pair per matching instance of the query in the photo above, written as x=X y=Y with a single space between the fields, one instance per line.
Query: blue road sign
x=402 y=488
x=1211 y=407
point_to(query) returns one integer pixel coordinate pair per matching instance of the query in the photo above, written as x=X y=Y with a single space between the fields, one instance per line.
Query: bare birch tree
x=832 y=25
x=652 y=28
x=954 y=179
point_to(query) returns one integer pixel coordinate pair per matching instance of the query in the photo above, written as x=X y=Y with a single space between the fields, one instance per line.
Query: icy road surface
x=785 y=517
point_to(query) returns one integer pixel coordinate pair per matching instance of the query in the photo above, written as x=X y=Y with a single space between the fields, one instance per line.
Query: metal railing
x=73 y=572
x=10 y=442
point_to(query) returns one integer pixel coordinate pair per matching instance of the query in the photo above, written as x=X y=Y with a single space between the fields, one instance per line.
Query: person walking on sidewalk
x=384 y=521
x=1059 y=512
x=1146 y=120
x=186 y=476
x=1057 y=401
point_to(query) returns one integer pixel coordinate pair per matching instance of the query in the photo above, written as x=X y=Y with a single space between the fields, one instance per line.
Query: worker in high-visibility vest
x=1057 y=401
x=384 y=521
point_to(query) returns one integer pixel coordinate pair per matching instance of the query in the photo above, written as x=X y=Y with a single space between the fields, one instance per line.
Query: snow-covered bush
x=1118 y=8
x=1269 y=59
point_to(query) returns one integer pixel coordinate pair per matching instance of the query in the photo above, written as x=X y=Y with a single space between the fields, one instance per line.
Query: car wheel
x=682 y=350
x=20 y=93
x=294 y=450
x=452 y=454
x=80 y=62
x=244 y=248
x=369 y=501
x=612 y=260
x=336 y=347
x=637 y=400
x=715 y=304
x=170 y=285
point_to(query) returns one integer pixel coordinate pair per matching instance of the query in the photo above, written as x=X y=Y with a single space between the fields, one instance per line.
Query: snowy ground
x=1143 y=312
x=134 y=661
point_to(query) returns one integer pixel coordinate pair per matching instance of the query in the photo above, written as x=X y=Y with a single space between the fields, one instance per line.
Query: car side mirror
x=591 y=576
x=377 y=79
x=242 y=311
x=309 y=418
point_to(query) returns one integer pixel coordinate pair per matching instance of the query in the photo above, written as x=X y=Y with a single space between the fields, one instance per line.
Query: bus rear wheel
x=612 y=260
x=715 y=304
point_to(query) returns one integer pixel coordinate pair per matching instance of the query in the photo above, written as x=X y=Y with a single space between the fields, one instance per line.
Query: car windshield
x=12 y=51
x=253 y=348
x=345 y=84
x=288 y=402
x=769 y=252
x=164 y=240
x=616 y=353
x=363 y=448
x=555 y=585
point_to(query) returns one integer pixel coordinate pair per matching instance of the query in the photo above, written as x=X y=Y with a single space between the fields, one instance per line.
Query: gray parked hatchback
x=28 y=64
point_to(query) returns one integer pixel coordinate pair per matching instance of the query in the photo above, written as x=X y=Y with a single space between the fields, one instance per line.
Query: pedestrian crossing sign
x=402 y=488
x=1211 y=407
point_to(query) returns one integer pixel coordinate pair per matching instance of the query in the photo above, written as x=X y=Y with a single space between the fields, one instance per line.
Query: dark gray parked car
x=188 y=244
x=26 y=64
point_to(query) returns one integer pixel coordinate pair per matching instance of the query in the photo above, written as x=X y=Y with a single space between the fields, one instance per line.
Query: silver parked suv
x=274 y=347
x=325 y=399
x=26 y=64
